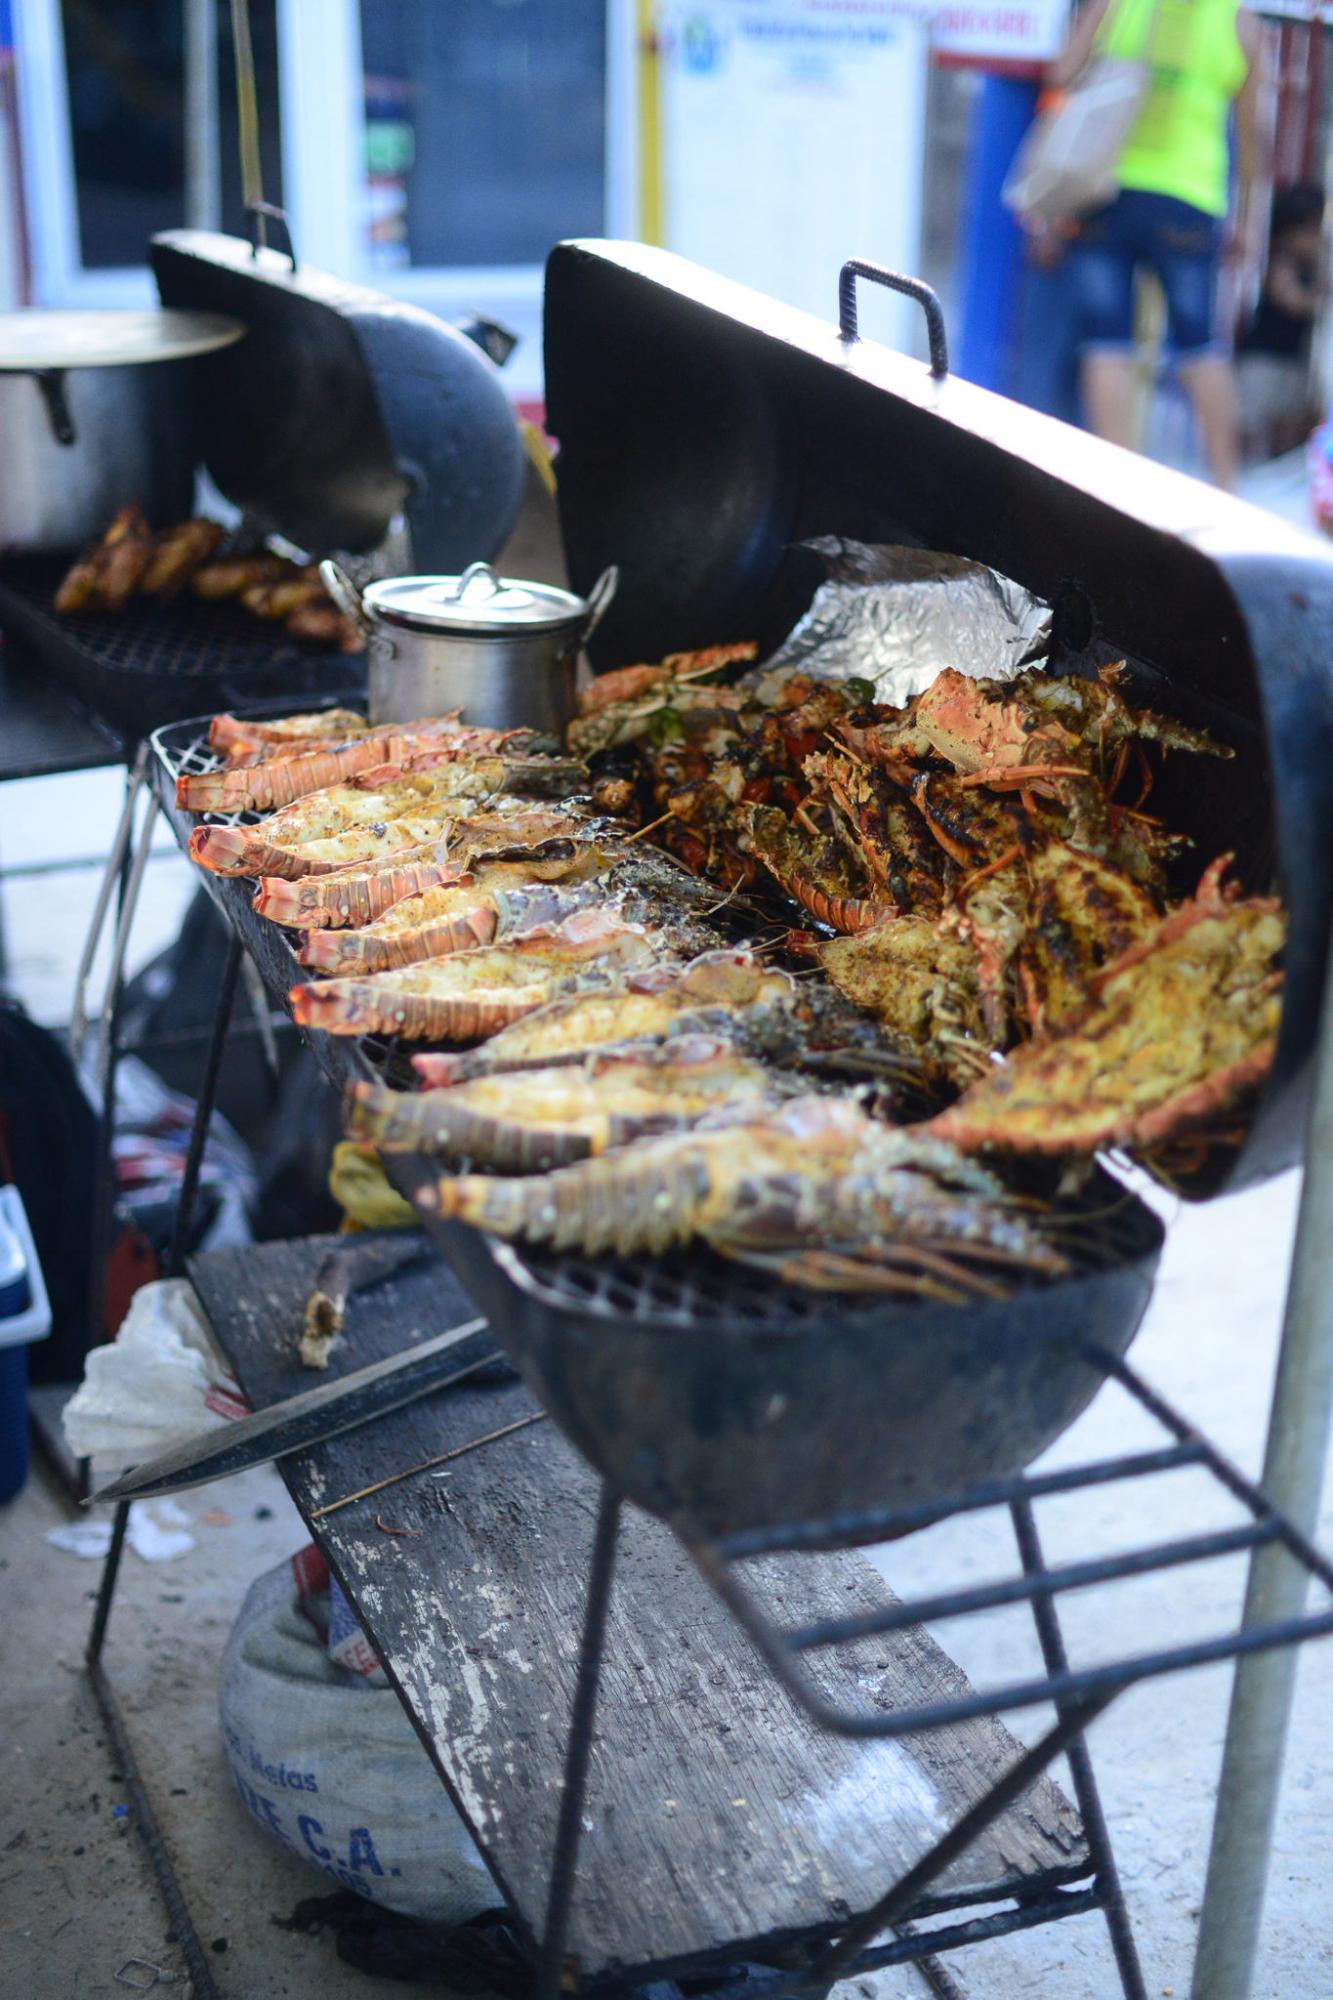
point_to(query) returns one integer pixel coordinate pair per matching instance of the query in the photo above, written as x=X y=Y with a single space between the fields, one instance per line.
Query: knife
x=300 y=1421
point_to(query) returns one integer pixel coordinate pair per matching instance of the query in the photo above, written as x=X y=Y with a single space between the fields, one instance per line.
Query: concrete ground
x=77 y=1900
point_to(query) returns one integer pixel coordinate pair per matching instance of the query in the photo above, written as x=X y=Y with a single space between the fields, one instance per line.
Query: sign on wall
x=1008 y=31
x=790 y=137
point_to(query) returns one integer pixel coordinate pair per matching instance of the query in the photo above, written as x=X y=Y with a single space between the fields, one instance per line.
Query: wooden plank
x=718 y=1815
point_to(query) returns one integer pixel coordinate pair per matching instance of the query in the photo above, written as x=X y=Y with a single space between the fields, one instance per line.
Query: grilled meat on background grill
x=105 y=576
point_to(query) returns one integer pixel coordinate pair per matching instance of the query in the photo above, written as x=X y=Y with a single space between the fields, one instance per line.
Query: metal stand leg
x=1080 y=1766
x=203 y=1986
x=203 y=1111
x=550 y=1970
x=1293 y=1479
x=897 y=1902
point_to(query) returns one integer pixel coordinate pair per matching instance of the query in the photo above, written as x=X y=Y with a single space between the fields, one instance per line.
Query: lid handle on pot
x=599 y=600
x=913 y=288
x=345 y=595
x=464 y=592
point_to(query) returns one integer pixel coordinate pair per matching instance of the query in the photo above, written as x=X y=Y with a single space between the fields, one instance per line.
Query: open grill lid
x=349 y=408
x=705 y=429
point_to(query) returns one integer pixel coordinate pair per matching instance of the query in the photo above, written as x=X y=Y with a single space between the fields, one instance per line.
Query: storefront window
x=485 y=129
x=125 y=61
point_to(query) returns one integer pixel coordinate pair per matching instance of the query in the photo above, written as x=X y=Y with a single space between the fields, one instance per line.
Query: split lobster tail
x=223 y=849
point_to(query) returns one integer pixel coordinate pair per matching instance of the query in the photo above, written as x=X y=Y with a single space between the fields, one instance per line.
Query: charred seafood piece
x=1035 y=730
x=1083 y=915
x=620 y=707
x=550 y=839
x=1180 y=1029
x=107 y=575
x=922 y=983
x=535 y=1119
x=472 y=994
x=813 y=1181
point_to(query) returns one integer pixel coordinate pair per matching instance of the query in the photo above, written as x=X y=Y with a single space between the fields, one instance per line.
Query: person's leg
x=1185 y=251
x=1211 y=384
x=1102 y=274
x=1107 y=378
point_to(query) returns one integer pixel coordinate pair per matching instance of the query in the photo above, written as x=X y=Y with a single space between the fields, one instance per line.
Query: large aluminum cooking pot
x=94 y=413
x=502 y=650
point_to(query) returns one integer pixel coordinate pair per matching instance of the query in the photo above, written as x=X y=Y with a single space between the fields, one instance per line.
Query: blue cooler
x=25 y=1316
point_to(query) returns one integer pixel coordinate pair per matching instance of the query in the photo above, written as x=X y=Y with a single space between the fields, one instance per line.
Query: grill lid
x=706 y=430
x=344 y=408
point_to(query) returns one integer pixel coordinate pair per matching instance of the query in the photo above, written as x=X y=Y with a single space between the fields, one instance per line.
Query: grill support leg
x=897 y=1902
x=203 y=1110
x=1293 y=1479
x=564 y=1862
x=1086 y=1793
x=177 y=1908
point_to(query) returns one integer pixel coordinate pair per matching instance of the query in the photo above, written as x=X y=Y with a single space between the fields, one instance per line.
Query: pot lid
x=109 y=339
x=478 y=601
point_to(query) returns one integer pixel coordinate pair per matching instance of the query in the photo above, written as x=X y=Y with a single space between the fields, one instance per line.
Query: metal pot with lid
x=501 y=649
x=94 y=412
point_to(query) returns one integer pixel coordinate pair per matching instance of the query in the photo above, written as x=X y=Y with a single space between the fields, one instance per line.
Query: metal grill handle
x=894 y=281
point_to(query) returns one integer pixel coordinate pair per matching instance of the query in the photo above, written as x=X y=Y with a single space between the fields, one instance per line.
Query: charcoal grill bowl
x=723 y=1401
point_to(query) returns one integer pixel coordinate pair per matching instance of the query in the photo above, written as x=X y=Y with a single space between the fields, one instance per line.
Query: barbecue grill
x=704 y=431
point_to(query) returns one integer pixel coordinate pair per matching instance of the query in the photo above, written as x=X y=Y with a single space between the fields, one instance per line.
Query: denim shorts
x=1154 y=232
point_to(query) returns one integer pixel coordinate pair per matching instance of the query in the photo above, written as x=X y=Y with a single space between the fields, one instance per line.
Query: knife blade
x=303 y=1420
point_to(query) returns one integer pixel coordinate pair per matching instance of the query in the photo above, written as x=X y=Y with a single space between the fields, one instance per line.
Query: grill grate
x=163 y=656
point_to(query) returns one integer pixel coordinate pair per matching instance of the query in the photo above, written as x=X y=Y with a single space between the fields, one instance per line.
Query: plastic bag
x=159 y=1381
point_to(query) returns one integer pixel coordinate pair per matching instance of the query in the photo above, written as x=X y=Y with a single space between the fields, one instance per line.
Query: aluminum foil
x=896 y=617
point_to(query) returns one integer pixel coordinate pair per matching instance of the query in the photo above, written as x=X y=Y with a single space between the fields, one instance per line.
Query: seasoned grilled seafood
x=178 y=554
x=1180 y=1028
x=710 y=995
x=271 y=782
x=815 y=1176
x=619 y=707
x=503 y=899
x=922 y=983
x=470 y=995
x=475 y=909
x=541 y=1118
x=338 y=725
x=1084 y=914
x=549 y=839
x=1033 y=730
x=106 y=576
x=730 y=995
x=376 y=814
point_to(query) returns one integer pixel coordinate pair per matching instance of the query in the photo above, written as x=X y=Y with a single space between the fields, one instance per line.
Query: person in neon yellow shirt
x=1170 y=213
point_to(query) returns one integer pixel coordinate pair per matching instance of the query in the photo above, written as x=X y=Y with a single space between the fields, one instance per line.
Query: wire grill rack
x=163 y=658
